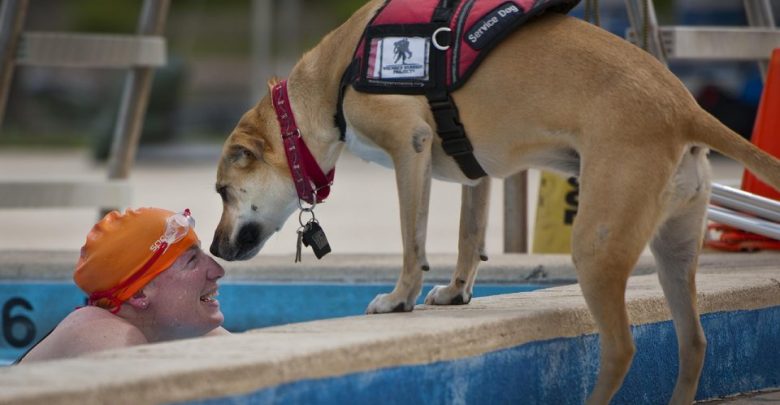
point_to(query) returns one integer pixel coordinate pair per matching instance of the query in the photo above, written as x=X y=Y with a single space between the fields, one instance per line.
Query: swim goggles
x=177 y=227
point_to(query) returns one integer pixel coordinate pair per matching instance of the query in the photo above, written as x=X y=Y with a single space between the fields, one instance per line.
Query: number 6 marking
x=9 y=322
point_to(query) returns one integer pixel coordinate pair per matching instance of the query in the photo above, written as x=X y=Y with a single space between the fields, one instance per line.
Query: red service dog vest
x=399 y=51
x=432 y=47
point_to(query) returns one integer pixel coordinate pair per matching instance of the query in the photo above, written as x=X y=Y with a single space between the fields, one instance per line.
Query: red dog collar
x=306 y=173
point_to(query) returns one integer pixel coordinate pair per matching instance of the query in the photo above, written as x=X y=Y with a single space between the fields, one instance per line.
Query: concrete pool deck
x=339 y=356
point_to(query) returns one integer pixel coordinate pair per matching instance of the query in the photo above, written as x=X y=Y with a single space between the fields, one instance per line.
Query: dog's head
x=255 y=184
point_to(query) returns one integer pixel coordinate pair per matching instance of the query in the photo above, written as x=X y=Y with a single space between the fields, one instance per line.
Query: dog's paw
x=384 y=303
x=447 y=295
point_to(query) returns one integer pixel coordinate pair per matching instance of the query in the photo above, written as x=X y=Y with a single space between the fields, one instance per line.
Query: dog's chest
x=364 y=148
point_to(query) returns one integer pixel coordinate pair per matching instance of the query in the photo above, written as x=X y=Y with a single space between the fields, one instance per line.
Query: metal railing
x=140 y=54
x=746 y=211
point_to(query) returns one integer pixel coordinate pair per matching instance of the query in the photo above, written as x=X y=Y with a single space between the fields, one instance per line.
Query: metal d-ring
x=436 y=42
x=313 y=203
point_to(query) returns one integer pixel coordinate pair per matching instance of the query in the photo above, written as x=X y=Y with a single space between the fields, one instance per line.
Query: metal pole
x=743 y=201
x=135 y=96
x=516 y=213
x=759 y=14
x=744 y=222
x=646 y=26
x=12 y=16
x=289 y=29
x=262 y=37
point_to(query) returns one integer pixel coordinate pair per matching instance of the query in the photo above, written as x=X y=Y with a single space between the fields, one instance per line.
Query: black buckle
x=439 y=105
x=445 y=115
x=454 y=141
x=457 y=146
x=446 y=120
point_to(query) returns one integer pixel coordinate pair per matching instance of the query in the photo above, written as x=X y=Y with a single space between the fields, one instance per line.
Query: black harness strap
x=451 y=131
x=453 y=135
x=346 y=79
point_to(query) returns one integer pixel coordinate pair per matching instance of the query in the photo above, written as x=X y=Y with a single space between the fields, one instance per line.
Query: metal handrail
x=745 y=202
x=745 y=222
x=79 y=50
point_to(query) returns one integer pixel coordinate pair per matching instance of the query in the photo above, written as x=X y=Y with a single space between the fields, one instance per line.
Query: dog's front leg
x=413 y=177
x=471 y=247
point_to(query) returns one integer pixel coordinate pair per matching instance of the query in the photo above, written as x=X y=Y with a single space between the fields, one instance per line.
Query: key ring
x=309 y=209
x=306 y=210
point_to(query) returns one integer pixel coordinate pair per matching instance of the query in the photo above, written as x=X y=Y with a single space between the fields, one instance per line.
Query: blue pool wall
x=246 y=305
x=743 y=355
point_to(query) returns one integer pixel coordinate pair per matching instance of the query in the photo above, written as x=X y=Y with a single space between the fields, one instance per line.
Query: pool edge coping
x=266 y=357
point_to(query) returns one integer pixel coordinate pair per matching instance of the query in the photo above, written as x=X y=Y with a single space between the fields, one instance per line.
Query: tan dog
x=558 y=93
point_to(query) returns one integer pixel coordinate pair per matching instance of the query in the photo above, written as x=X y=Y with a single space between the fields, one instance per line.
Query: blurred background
x=211 y=78
x=220 y=53
x=198 y=97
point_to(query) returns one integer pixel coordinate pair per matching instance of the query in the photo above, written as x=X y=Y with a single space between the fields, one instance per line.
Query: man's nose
x=215 y=271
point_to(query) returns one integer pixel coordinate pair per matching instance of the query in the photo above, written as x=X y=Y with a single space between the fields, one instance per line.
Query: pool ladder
x=140 y=54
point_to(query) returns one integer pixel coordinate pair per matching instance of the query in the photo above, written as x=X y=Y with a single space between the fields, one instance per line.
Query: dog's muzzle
x=246 y=245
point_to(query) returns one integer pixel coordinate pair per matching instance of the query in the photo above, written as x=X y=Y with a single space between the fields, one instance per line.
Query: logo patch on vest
x=492 y=24
x=399 y=58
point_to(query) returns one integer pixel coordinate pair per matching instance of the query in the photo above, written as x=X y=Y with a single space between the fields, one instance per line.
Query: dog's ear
x=245 y=150
x=272 y=82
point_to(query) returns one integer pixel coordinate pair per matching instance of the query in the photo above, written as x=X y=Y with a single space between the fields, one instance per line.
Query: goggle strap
x=109 y=294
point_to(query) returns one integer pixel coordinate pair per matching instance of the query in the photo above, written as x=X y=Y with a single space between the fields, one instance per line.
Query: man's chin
x=213 y=322
x=212 y=315
x=218 y=319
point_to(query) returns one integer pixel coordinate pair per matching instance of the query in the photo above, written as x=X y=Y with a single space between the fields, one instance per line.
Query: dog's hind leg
x=413 y=177
x=471 y=245
x=676 y=247
x=617 y=216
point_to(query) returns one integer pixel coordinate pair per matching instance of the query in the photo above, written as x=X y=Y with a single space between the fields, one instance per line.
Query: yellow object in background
x=555 y=212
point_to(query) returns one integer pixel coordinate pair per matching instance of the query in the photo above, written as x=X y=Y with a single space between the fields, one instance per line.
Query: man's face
x=182 y=299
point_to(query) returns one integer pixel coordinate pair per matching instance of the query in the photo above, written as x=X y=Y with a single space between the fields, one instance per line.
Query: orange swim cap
x=124 y=252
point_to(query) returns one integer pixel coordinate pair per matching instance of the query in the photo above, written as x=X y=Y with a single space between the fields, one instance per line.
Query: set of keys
x=311 y=235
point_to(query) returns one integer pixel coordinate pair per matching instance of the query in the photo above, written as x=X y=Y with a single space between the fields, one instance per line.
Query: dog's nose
x=248 y=236
x=214 y=248
x=220 y=248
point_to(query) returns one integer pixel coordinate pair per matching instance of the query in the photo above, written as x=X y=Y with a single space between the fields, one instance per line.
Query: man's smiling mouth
x=210 y=297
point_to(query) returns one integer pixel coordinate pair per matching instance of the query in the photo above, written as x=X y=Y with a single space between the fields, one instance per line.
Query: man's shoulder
x=87 y=330
x=102 y=327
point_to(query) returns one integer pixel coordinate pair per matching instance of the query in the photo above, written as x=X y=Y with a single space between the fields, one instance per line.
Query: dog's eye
x=223 y=193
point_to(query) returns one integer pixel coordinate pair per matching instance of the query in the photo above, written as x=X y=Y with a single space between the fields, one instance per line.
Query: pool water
x=29 y=310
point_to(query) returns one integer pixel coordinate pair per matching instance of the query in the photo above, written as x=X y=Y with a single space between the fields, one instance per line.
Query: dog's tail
x=709 y=131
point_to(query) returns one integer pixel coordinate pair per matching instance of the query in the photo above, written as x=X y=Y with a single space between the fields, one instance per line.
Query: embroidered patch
x=399 y=58
x=492 y=24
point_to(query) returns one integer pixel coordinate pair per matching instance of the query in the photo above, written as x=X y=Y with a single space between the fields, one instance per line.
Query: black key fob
x=314 y=236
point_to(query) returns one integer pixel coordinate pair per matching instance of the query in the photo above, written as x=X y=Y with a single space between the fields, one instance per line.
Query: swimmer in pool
x=147 y=280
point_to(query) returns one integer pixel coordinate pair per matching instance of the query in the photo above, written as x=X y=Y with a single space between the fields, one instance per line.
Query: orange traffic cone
x=766 y=135
x=766 y=132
